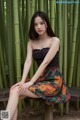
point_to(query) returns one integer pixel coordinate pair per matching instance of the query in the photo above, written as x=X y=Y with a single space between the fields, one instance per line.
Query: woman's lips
x=40 y=30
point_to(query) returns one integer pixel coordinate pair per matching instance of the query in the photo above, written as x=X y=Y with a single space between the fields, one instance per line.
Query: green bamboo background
x=15 y=16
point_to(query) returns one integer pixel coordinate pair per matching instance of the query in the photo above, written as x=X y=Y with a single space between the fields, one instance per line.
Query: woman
x=47 y=83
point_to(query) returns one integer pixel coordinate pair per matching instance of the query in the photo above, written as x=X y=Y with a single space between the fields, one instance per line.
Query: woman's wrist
x=32 y=81
x=22 y=80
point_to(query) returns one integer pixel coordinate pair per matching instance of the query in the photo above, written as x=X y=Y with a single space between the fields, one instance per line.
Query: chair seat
x=75 y=92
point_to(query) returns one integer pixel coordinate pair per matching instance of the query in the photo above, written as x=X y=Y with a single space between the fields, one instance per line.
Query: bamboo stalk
x=33 y=8
x=36 y=5
x=70 y=34
x=22 y=12
x=52 y=13
x=60 y=33
x=23 y=48
x=10 y=43
x=2 y=67
x=74 y=42
x=17 y=39
x=78 y=54
x=1 y=84
x=3 y=32
x=65 y=43
x=41 y=5
x=46 y=6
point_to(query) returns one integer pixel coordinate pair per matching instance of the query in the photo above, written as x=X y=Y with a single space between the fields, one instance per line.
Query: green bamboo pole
x=3 y=31
x=2 y=45
x=23 y=5
x=17 y=39
x=70 y=34
x=52 y=13
x=2 y=66
x=75 y=65
x=27 y=19
x=78 y=63
x=65 y=48
x=46 y=6
x=41 y=5
x=36 y=5
x=78 y=78
x=28 y=13
x=1 y=84
x=33 y=8
x=23 y=48
x=78 y=53
x=65 y=42
x=10 y=43
x=71 y=26
x=74 y=43
x=60 y=32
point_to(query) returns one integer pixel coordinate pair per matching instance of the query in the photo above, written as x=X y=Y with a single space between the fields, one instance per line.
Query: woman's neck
x=43 y=37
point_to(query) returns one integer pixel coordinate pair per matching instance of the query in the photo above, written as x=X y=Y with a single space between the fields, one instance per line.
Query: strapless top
x=39 y=55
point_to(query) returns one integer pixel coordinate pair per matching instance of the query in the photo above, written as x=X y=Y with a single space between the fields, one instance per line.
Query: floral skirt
x=51 y=87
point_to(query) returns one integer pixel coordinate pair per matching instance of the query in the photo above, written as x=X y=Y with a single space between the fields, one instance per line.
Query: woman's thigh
x=23 y=94
x=28 y=93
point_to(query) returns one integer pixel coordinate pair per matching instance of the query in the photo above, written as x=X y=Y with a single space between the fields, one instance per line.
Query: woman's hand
x=17 y=84
x=28 y=84
x=23 y=87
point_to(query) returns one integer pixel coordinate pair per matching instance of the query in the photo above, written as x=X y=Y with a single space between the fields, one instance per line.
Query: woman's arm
x=27 y=65
x=28 y=62
x=50 y=55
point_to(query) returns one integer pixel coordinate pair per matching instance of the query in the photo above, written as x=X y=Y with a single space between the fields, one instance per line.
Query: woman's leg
x=15 y=114
x=13 y=101
x=14 y=98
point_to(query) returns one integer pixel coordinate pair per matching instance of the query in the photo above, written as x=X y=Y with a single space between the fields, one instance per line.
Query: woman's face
x=40 y=25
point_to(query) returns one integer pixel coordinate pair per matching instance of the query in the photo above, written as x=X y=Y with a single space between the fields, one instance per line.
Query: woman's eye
x=35 y=24
x=42 y=23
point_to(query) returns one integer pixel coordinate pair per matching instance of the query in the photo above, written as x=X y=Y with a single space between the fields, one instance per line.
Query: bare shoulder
x=33 y=43
x=29 y=43
x=55 y=43
x=55 y=40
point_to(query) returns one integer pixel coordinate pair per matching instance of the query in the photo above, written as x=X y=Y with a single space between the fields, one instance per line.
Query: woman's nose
x=39 y=26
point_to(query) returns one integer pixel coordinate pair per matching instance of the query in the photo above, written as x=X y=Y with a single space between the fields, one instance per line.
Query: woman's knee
x=14 y=91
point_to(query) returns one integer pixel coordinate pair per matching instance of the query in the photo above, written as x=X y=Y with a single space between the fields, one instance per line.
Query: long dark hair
x=33 y=35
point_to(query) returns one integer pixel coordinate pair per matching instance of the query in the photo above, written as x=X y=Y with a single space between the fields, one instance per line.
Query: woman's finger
x=14 y=86
x=20 y=85
x=20 y=88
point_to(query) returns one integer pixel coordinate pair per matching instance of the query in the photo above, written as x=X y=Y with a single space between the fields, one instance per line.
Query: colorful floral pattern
x=51 y=87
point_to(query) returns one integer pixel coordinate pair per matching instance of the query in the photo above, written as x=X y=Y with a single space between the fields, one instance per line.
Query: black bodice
x=39 y=55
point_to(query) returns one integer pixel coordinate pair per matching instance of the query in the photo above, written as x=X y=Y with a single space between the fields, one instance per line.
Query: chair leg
x=48 y=115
